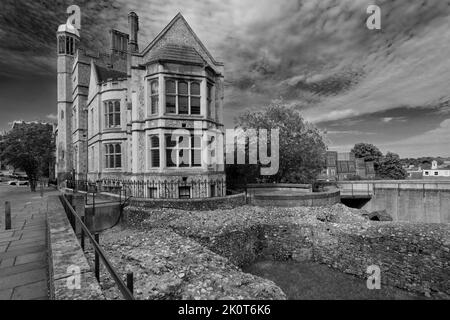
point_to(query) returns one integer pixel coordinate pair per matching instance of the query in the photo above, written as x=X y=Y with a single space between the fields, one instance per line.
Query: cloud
x=52 y=116
x=316 y=55
x=433 y=142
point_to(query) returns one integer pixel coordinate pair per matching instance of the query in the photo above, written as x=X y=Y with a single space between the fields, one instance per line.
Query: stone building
x=136 y=114
x=344 y=166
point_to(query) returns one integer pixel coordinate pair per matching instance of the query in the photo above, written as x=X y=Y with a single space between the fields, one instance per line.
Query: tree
x=390 y=167
x=301 y=146
x=367 y=151
x=29 y=147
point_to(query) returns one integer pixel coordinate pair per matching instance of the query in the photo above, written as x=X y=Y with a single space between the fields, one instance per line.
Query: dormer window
x=182 y=97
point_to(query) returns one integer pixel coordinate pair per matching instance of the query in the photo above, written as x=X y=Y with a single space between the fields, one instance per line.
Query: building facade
x=150 y=115
x=344 y=166
x=436 y=172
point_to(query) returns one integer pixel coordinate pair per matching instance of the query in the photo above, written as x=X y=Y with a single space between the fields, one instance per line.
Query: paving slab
x=31 y=291
x=6 y=294
x=23 y=249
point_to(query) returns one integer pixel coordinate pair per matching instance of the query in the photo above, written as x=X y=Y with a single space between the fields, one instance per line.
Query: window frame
x=108 y=104
x=209 y=99
x=154 y=96
x=152 y=149
x=177 y=96
x=187 y=149
x=111 y=157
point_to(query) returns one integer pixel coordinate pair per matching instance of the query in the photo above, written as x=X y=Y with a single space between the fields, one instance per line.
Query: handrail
x=122 y=287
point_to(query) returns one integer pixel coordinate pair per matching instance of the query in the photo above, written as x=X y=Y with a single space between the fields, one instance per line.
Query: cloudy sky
x=390 y=87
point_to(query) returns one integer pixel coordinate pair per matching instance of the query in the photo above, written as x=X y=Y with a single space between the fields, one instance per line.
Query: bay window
x=182 y=97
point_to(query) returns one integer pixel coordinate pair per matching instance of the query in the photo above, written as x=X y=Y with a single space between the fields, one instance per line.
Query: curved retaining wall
x=228 y=202
x=291 y=195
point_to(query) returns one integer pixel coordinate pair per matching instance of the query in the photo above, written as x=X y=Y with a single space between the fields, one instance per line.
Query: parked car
x=18 y=183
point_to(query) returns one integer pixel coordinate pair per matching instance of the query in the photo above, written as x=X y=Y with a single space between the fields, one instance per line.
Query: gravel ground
x=167 y=264
x=217 y=221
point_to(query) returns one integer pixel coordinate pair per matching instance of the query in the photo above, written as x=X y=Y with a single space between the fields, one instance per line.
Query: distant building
x=344 y=165
x=437 y=173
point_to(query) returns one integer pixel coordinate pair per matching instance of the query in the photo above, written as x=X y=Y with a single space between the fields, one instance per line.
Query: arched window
x=154 y=151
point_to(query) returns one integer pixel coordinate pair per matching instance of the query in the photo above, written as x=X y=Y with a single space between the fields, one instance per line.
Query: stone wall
x=290 y=196
x=414 y=257
x=191 y=204
x=66 y=256
x=411 y=257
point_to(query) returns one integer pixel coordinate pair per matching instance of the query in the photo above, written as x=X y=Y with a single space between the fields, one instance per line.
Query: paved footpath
x=23 y=249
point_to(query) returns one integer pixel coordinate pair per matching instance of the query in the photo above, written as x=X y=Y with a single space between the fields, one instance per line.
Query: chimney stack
x=133 y=24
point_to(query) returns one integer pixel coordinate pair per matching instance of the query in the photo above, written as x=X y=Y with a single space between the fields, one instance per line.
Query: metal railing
x=75 y=219
x=194 y=189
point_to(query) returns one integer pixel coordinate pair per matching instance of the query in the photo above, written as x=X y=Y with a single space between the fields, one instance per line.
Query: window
x=154 y=152
x=182 y=97
x=170 y=148
x=70 y=45
x=184 y=192
x=196 y=151
x=436 y=173
x=112 y=114
x=183 y=151
x=62 y=114
x=209 y=100
x=62 y=44
x=426 y=173
x=113 y=156
x=171 y=96
x=177 y=151
x=195 y=98
x=154 y=97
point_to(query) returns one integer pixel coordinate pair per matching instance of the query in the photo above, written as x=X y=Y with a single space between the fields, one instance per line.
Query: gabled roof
x=179 y=18
x=176 y=53
x=104 y=74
